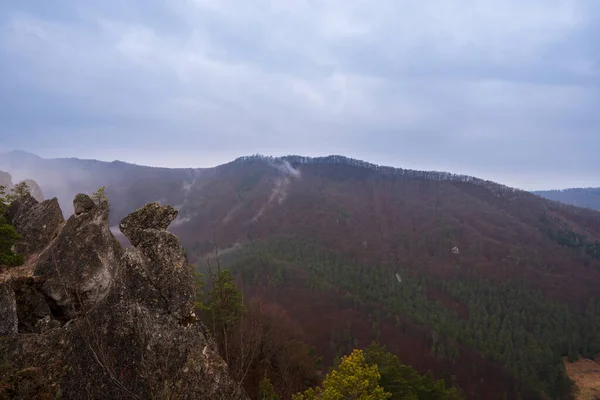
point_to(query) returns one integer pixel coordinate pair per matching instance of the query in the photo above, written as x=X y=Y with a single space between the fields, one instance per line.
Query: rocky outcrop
x=35 y=190
x=82 y=204
x=37 y=222
x=154 y=247
x=97 y=321
x=81 y=264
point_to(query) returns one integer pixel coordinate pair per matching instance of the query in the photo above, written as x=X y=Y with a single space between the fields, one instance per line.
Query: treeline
x=376 y=374
x=384 y=170
x=264 y=351
x=566 y=237
x=263 y=348
x=509 y=323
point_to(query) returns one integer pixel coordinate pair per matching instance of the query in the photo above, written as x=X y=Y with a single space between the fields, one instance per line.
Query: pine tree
x=353 y=379
x=99 y=196
x=8 y=237
x=20 y=190
x=266 y=391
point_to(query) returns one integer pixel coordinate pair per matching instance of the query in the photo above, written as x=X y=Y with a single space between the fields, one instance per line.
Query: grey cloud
x=501 y=89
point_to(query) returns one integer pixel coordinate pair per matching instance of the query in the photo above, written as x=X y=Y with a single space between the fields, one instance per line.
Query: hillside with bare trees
x=486 y=286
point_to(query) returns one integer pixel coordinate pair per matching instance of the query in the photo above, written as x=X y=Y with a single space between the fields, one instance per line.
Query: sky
x=503 y=90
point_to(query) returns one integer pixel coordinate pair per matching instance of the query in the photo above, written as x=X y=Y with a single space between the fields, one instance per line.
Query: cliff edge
x=86 y=319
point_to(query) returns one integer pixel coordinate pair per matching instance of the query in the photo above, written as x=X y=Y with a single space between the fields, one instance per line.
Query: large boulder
x=82 y=204
x=80 y=264
x=19 y=209
x=116 y=323
x=158 y=270
x=37 y=222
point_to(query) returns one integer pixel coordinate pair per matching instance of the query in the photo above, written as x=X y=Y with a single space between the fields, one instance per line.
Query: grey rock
x=118 y=324
x=19 y=209
x=37 y=223
x=8 y=310
x=80 y=264
x=158 y=259
x=83 y=204
x=150 y=216
x=33 y=310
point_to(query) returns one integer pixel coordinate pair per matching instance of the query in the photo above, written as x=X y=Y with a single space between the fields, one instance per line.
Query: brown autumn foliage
x=410 y=220
x=413 y=222
x=265 y=341
x=255 y=337
x=282 y=353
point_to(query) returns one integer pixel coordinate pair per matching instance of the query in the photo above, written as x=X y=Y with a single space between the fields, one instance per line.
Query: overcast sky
x=505 y=90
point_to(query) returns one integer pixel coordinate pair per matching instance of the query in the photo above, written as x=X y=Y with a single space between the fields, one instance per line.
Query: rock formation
x=36 y=222
x=35 y=189
x=87 y=319
x=6 y=181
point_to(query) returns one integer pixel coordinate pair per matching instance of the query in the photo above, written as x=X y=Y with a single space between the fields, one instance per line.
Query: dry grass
x=586 y=375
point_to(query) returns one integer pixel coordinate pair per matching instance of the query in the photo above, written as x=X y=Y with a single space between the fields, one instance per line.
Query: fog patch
x=179 y=221
x=236 y=246
x=119 y=236
x=281 y=187
x=286 y=168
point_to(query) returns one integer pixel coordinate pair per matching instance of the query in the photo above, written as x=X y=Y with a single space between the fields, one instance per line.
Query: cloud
x=503 y=90
x=286 y=168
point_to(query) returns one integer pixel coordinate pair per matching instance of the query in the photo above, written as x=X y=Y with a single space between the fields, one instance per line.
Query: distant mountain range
x=487 y=286
x=580 y=197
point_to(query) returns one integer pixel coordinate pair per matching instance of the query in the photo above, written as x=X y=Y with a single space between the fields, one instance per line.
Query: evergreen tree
x=225 y=300
x=403 y=381
x=20 y=190
x=8 y=237
x=266 y=391
x=353 y=379
x=99 y=196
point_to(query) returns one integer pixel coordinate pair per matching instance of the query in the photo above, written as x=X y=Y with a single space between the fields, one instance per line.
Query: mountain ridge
x=588 y=197
x=332 y=158
x=334 y=231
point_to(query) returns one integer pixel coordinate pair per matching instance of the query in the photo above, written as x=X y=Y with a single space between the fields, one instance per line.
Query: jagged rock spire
x=117 y=323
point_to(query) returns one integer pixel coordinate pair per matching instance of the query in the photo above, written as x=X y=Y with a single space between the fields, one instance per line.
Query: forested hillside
x=485 y=286
x=481 y=269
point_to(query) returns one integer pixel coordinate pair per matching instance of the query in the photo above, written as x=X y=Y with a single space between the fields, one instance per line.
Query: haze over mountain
x=455 y=274
x=468 y=273
x=581 y=197
x=503 y=91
